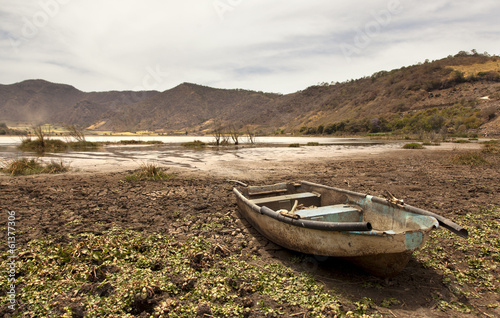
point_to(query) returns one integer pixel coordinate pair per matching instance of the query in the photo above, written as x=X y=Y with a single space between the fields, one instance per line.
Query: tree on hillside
x=3 y=129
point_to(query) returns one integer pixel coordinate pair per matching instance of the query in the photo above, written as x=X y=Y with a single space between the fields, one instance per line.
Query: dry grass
x=475 y=69
x=469 y=159
x=24 y=166
x=492 y=146
x=149 y=171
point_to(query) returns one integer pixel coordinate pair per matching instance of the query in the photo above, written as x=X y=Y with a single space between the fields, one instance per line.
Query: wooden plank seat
x=276 y=188
x=286 y=201
x=329 y=213
x=332 y=213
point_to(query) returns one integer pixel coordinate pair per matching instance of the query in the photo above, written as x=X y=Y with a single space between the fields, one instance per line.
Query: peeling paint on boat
x=383 y=248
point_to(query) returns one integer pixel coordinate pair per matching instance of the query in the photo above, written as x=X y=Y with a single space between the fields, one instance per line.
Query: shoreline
x=229 y=162
x=199 y=203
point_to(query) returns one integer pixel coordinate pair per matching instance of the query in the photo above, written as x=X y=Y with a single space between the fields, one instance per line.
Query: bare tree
x=75 y=132
x=233 y=132
x=225 y=140
x=251 y=136
x=218 y=132
x=40 y=134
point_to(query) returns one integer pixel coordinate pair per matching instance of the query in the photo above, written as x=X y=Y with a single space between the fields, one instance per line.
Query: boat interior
x=306 y=205
x=309 y=203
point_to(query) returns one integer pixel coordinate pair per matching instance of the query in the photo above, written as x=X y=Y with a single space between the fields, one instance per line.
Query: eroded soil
x=75 y=203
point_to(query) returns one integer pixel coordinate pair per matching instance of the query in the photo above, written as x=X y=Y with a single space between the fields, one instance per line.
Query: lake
x=171 y=153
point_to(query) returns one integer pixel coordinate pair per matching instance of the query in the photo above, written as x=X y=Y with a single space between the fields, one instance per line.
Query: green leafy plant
x=124 y=273
x=476 y=267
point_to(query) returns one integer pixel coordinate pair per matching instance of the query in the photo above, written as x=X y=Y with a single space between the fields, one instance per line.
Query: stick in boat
x=238 y=183
x=292 y=211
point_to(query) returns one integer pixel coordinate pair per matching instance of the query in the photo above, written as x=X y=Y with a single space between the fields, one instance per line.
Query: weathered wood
x=386 y=234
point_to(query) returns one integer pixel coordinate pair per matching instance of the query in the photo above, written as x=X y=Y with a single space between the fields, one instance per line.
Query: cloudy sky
x=264 y=45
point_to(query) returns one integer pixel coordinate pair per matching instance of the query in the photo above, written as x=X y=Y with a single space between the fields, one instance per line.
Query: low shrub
x=149 y=171
x=24 y=166
x=55 y=167
x=430 y=143
x=45 y=145
x=413 y=145
x=194 y=144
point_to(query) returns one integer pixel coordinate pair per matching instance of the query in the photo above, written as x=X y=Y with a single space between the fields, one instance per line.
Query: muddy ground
x=426 y=179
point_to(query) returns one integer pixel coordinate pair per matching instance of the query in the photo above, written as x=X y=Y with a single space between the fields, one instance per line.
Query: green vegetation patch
x=379 y=134
x=194 y=144
x=4 y=130
x=474 y=272
x=123 y=273
x=294 y=145
x=430 y=143
x=461 y=117
x=413 y=145
x=24 y=166
x=43 y=145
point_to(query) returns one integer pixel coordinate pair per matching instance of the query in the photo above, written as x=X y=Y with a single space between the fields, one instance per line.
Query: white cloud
x=278 y=45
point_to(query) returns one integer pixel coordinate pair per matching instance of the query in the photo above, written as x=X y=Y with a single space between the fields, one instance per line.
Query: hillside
x=191 y=107
x=42 y=102
x=388 y=95
x=457 y=93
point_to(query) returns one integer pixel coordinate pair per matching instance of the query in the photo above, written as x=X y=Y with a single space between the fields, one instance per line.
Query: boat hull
x=379 y=252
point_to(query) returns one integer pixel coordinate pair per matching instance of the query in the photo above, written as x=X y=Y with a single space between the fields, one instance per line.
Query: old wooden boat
x=377 y=234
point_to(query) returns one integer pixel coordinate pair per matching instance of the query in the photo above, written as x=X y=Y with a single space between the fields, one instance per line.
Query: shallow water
x=269 y=151
x=15 y=140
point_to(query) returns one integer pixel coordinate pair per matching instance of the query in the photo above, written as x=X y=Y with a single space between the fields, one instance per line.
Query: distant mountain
x=41 y=102
x=467 y=84
x=192 y=107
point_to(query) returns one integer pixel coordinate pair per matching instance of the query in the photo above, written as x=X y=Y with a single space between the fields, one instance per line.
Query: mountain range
x=463 y=80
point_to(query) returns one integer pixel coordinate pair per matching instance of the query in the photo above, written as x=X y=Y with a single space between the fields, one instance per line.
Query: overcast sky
x=264 y=45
